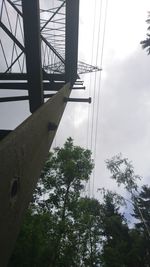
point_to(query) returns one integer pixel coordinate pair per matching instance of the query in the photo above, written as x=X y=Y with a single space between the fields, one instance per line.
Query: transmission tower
x=39 y=55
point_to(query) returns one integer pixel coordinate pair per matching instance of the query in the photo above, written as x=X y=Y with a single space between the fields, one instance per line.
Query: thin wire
x=93 y=37
x=93 y=110
x=55 y=139
x=99 y=91
x=88 y=126
x=95 y=81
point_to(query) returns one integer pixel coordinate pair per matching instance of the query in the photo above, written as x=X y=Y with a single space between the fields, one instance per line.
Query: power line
x=89 y=107
x=99 y=91
x=94 y=104
x=95 y=78
x=93 y=37
x=93 y=111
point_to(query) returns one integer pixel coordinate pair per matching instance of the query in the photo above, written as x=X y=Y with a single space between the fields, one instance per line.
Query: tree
x=116 y=239
x=142 y=206
x=62 y=228
x=66 y=171
x=123 y=172
x=54 y=206
x=142 y=214
x=146 y=43
x=33 y=246
x=88 y=226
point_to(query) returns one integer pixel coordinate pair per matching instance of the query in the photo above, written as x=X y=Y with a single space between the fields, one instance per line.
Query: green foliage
x=117 y=199
x=88 y=223
x=55 y=207
x=142 y=203
x=123 y=172
x=62 y=228
x=115 y=232
x=138 y=249
x=146 y=43
x=65 y=172
x=142 y=214
x=32 y=247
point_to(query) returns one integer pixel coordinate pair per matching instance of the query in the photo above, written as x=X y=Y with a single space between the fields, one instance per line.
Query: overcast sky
x=124 y=104
x=124 y=98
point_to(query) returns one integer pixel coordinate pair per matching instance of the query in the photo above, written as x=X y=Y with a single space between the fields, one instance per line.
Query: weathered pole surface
x=22 y=155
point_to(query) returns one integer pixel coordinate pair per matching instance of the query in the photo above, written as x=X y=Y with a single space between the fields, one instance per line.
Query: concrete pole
x=22 y=155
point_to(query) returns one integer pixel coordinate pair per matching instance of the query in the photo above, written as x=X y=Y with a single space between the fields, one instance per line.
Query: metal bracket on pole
x=78 y=88
x=84 y=100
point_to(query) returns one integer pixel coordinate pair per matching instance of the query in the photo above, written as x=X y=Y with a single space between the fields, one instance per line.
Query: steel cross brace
x=43 y=38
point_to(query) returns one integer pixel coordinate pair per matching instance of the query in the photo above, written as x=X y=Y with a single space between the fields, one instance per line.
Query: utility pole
x=39 y=53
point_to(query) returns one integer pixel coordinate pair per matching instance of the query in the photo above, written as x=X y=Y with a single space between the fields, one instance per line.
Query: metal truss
x=38 y=47
x=81 y=69
x=86 y=68
x=33 y=37
x=52 y=31
x=11 y=38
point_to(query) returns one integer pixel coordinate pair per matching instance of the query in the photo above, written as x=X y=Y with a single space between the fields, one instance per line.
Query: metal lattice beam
x=86 y=68
x=71 y=56
x=81 y=69
x=48 y=86
x=31 y=22
x=9 y=33
x=23 y=76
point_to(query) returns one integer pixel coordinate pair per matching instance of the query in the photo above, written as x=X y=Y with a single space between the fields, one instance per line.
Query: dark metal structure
x=38 y=35
x=82 y=68
x=39 y=48
x=38 y=54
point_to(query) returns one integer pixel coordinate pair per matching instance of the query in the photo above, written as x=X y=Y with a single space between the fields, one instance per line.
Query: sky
x=122 y=89
x=117 y=121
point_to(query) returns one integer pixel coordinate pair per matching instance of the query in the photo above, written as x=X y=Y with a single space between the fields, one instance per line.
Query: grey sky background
x=124 y=104
x=124 y=99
